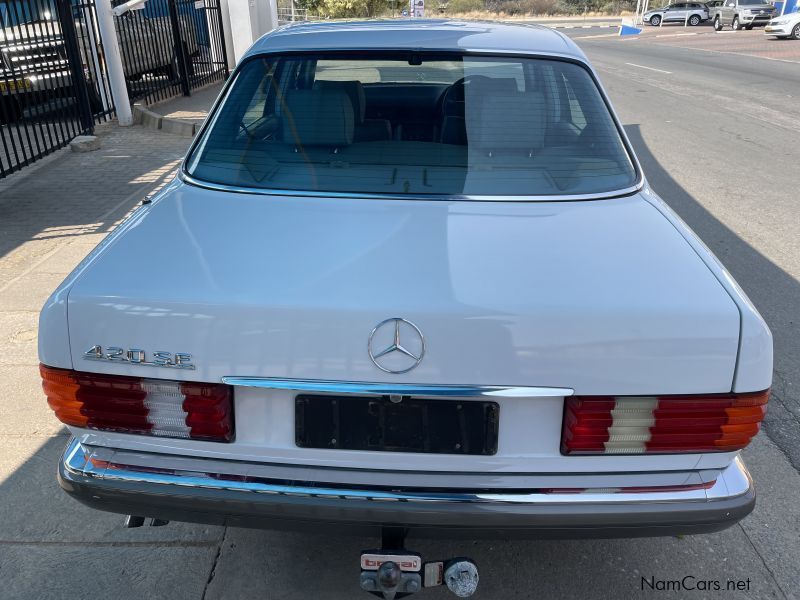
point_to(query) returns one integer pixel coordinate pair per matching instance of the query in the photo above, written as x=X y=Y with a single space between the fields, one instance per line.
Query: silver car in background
x=688 y=13
x=743 y=14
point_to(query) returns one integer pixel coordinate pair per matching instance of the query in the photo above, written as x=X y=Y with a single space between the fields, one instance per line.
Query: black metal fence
x=170 y=47
x=53 y=79
x=53 y=76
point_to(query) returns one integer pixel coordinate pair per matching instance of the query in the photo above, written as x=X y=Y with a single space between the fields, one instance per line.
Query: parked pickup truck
x=34 y=66
x=743 y=14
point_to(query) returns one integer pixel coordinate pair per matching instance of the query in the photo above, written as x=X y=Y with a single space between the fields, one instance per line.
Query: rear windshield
x=416 y=124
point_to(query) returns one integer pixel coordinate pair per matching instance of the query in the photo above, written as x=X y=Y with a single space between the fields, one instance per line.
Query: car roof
x=419 y=34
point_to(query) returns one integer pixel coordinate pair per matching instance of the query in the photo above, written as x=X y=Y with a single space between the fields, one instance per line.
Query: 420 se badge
x=135 y=356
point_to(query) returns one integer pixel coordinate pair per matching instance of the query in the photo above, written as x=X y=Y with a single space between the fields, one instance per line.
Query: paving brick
x=192 y=108
x=51 y=216
x=752 y=43
x=32 y=482
x=29 y=292
x=18 y=332
x=69 y=255
x=150 y=571
x=24 y=413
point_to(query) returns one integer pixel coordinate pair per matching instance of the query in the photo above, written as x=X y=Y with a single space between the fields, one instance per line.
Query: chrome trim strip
x=401 y=389
x=188 y=179
x=98 y=463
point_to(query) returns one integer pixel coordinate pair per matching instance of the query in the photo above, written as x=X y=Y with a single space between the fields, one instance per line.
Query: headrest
x=318 y=118
x=354 y=91
x=496 y=85
x=507 y=121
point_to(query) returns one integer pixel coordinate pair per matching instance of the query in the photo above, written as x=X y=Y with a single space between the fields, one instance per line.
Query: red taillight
x=198 y=411
x=661 y=424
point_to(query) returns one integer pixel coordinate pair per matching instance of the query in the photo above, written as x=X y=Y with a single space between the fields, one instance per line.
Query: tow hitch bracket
x=394 y=572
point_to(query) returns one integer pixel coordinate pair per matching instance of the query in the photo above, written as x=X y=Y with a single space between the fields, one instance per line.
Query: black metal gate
x=53 y=79
x=170 y=47
x=53 y=76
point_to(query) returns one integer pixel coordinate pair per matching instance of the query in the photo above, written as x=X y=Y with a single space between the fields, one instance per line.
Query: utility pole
x=116 y=73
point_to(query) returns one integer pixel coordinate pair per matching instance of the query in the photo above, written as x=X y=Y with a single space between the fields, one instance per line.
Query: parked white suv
x=411 y=276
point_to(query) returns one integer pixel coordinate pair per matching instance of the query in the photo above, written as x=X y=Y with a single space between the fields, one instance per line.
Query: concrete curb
x=595 y=26
x=152 y=120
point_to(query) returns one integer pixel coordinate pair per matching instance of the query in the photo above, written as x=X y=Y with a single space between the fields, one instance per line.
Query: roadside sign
x=628 y=27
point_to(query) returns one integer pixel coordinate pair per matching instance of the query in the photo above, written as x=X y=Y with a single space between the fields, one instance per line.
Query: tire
x=655 y=20
x=735 y=25
x=796 y=32
x=717 y=24
x=694 y=20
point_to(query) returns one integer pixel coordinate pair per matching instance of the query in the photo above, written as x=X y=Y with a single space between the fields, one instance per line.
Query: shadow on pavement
x=72 y=195
x=53 y=547
x=775 y=293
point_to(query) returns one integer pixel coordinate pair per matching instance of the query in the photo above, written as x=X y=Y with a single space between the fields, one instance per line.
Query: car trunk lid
x=603 y=297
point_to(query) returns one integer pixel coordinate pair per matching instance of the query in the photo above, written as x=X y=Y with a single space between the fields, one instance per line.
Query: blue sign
x=628 y=30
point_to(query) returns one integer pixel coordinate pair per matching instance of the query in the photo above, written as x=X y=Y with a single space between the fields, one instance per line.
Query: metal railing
x=291 y=15
x=170 y=47
x=54 y=82
x=53 y=79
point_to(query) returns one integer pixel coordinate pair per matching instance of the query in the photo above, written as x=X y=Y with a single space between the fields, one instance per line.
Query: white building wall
x=245 y=22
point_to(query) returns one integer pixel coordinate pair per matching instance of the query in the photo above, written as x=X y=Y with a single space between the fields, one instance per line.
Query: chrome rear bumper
x=129 y=483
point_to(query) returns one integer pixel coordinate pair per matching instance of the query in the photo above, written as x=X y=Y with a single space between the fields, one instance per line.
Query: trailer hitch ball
x=389 y=581
x=461 y=577
x=389 y=574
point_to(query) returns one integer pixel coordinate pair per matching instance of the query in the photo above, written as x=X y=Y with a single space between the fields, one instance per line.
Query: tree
x=351 y=8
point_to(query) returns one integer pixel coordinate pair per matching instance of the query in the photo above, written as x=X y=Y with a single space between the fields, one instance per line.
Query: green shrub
x=464 y=6
x=527 y=7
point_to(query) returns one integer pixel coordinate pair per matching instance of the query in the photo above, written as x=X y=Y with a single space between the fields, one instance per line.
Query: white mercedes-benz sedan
x=410 y=277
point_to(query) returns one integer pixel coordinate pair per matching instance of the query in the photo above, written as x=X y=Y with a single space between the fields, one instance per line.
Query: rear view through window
x=414 y=124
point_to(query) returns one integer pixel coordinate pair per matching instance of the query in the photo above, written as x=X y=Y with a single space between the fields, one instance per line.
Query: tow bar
x=394 y=572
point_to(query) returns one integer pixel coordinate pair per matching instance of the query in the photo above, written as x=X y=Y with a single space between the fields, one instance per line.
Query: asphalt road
x=718 y=139
x=717 y=136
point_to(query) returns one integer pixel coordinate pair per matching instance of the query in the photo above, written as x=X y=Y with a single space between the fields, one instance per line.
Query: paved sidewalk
x=51 y=547
x=704 y=38
x=192 y=108
x=51 y=215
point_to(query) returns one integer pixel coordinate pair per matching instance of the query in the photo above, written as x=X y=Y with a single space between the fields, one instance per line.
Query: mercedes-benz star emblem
x=396 y=345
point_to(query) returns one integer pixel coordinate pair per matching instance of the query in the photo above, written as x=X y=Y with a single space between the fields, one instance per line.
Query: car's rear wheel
x=694 y=20
x=796 y=32
x=736 y=26
x=717 y=24
x=655 y=20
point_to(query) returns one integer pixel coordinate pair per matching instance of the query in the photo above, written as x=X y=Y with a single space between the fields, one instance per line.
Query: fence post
x=67 y=22
x=222 y=42
x=180 y=55
x=116 y=72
